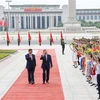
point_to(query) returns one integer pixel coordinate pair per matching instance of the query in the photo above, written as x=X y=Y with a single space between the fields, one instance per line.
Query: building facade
x=44 y=16
x=34 y=16
x=87 y=15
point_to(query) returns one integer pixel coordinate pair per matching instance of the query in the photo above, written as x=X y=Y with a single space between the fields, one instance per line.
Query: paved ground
x=73 y=82
x=33 y=42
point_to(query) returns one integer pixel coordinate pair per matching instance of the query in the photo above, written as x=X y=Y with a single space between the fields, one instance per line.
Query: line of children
x=86 y=55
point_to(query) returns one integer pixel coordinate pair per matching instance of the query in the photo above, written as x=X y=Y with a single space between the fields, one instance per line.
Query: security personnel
x=50 y=42
x=7 y=43
x=61 y=41
x=63 y=46
x=18 y=42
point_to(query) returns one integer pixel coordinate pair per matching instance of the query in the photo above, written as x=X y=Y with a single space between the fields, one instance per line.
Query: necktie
x=46 y=57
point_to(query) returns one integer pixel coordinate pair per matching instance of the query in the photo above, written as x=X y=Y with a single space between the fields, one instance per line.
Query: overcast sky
x=80 y=3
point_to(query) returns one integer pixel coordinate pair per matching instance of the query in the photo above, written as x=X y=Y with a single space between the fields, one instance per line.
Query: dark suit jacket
x=46 y=64
x=30 y=63
x=63 y=44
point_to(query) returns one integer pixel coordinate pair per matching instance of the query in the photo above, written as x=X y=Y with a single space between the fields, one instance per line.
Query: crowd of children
x=86 y=55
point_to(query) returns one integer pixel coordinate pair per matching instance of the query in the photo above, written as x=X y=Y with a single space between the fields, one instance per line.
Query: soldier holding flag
x=50 y=42
x=29 y=38
x=61 y=37
x=8 y=39
x=51 y=39
x=19 y=39
x=63 y=46
x=40 y=39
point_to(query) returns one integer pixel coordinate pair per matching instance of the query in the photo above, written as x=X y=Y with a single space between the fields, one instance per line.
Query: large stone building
x=92 y=15
x=34 y=16
x=1 y=11
x=44 y=16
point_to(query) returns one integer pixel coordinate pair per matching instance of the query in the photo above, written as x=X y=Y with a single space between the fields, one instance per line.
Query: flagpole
x=9 y=12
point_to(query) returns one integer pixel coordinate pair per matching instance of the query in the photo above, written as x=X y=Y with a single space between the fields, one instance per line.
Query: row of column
x=51 y=21
x=17 y=21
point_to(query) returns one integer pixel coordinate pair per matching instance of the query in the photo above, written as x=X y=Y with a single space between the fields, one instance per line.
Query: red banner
x=33 y=10
x=3 y=23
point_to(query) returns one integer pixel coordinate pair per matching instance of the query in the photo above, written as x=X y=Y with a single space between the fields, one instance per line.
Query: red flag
x=29 y=36
x=51 y=38
x=61 y=36
x=19 y=39
x=40 y=39
x=8 y=39
x=3 y=23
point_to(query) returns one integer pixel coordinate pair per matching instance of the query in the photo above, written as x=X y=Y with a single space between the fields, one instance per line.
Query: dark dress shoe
x=83 y=74
x=43 y=82
x=92 y=85
x=96 y=88
x=47 y=81
x=75 y=66
x=95 y=85
x=33 y=83
x=99 y=98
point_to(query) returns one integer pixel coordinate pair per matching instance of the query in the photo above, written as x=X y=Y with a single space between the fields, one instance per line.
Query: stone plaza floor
x=74 y=83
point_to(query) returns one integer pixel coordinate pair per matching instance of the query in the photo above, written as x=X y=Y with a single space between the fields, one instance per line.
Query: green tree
x=60 y=24
x=90 y=24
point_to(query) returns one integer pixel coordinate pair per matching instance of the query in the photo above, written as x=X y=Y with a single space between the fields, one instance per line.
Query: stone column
x=72 y=10
x=15 y=21
x=40 y=21
x=10 y=22
x=25 y=21
x=52 y=21
x=45 y=21
x=30 y=22
x=72 y=25
x=19 y=21
x=35 y=21
x=56 y=20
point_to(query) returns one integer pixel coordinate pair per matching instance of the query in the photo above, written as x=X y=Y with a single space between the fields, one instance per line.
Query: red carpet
x=20 y=90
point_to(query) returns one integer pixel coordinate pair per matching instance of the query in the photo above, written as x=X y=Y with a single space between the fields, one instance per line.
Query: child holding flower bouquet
x=74 y=55
x=93 y=72
x=89 y=67
x=88 y=51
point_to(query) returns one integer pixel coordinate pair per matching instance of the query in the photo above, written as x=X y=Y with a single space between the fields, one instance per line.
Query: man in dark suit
x=30 y=66
x=46 y=65
x=63 y=46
